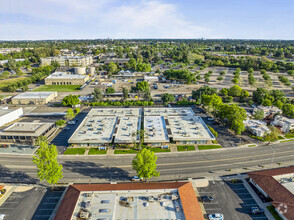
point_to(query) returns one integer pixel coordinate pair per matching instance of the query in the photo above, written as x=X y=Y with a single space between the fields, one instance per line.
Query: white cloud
x=70 y=19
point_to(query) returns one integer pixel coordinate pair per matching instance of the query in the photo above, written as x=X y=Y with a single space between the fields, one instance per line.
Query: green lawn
x=208 y=147
x=289 y=135
x=186 y=147
x=96 y=151
x=280 y=137
x=158 y=149
x=252 y=145
x=286 y=141
x=60 y=88
x=127 y=151
x=273 y=212
x=74 y=151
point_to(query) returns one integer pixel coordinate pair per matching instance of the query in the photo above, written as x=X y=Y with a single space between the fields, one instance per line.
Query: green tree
x=125 y=92
x=109 y=90
x=111 y=68
x=97 y=95
x=70 y=100
x=47 y=165
x=259 y=115
x=273 y=135
x=224 y=92
x=11 y=64
x=144 y=164
x=166 y=98
x=77 y=111
x=288 y=110
x=60 y=122
x=279 y=104
x=244 y=95
x=235 y=91
x=267 y=102
x=70 y=114
x=196 y=94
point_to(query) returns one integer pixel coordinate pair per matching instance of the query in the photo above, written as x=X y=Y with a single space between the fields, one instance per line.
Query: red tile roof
x=187 y=195
x=276 y=191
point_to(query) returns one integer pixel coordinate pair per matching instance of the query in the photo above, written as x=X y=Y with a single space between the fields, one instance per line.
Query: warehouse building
x=165 y=200
x=277 y=185
x=25 y=132
x=63 y=78
x=34 y=98
x=102 y=127
x=9 y=115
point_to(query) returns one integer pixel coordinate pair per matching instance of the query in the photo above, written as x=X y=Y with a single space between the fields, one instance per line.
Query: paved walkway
x=110 y=152
x=198 y=196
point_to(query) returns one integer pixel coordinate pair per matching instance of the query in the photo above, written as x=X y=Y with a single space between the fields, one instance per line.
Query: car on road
x=206 y=199
x=67 y=128
x=216 y=216
x=256 y=211
x=136 y=178
x=71 y=122
x=210 y=119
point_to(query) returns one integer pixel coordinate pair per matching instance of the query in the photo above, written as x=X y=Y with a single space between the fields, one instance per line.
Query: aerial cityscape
x=147 y=109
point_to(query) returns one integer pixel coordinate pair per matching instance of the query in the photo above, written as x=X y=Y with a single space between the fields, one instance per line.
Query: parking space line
x=213 y=209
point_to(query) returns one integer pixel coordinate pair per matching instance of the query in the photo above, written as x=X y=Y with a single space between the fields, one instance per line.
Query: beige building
x=62 y=78
x=25 y=132
x=34 y=98
x=68 y=60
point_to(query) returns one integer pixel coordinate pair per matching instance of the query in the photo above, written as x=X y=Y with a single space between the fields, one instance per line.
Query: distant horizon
x=146 y=19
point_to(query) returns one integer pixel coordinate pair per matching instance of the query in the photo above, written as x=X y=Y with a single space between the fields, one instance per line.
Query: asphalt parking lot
x=62 y=137
x=231 y=200
x=22 y=205
x=225 y=137
x=47 y=205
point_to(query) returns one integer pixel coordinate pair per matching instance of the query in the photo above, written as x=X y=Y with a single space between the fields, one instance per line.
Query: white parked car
x=216 y=216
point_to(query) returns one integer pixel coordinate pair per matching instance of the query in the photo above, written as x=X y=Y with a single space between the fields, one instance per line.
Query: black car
x=206 y=199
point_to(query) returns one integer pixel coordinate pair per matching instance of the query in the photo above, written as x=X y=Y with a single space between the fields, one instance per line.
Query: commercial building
x=102 y=127
x=63 y=78
x=25 y=132
x=151 y=78
x=34 y=98
x=256 y=127
x=165 y=200
x=177 y=125
x=278 y=186
x=268 y=110
x=68 y=60
x=286 y=124
x=9 y=115
x=105 y=126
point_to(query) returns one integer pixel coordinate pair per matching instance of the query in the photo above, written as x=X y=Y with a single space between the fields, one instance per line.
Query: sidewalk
x=9 y=191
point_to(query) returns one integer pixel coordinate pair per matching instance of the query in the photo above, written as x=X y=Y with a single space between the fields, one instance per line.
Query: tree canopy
x=70 y=100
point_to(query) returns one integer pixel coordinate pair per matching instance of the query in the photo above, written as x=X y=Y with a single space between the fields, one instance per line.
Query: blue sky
x=92 y=19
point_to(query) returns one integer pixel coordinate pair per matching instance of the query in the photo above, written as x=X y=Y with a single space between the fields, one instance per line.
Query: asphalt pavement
x=172 y=166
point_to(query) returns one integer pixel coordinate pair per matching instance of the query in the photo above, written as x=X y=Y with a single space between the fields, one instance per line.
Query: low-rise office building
x=165 y=200
x=63 y=78
x=102 y=127
x=34 y=98
x=256 y=127
x=176 y=125
x=25 y=132
x=268 y=110
x=68 y=60
x=286 y=124
x=9 y=115
x=278 y=186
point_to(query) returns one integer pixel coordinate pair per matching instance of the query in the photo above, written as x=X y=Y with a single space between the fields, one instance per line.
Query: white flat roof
x=127 y=129
x=189 y=128
x=130 y=204
x=34 y=95
x=179 y=111
x=63 y=75
x=116 y=111
x=94 y=129
x=155 y=129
